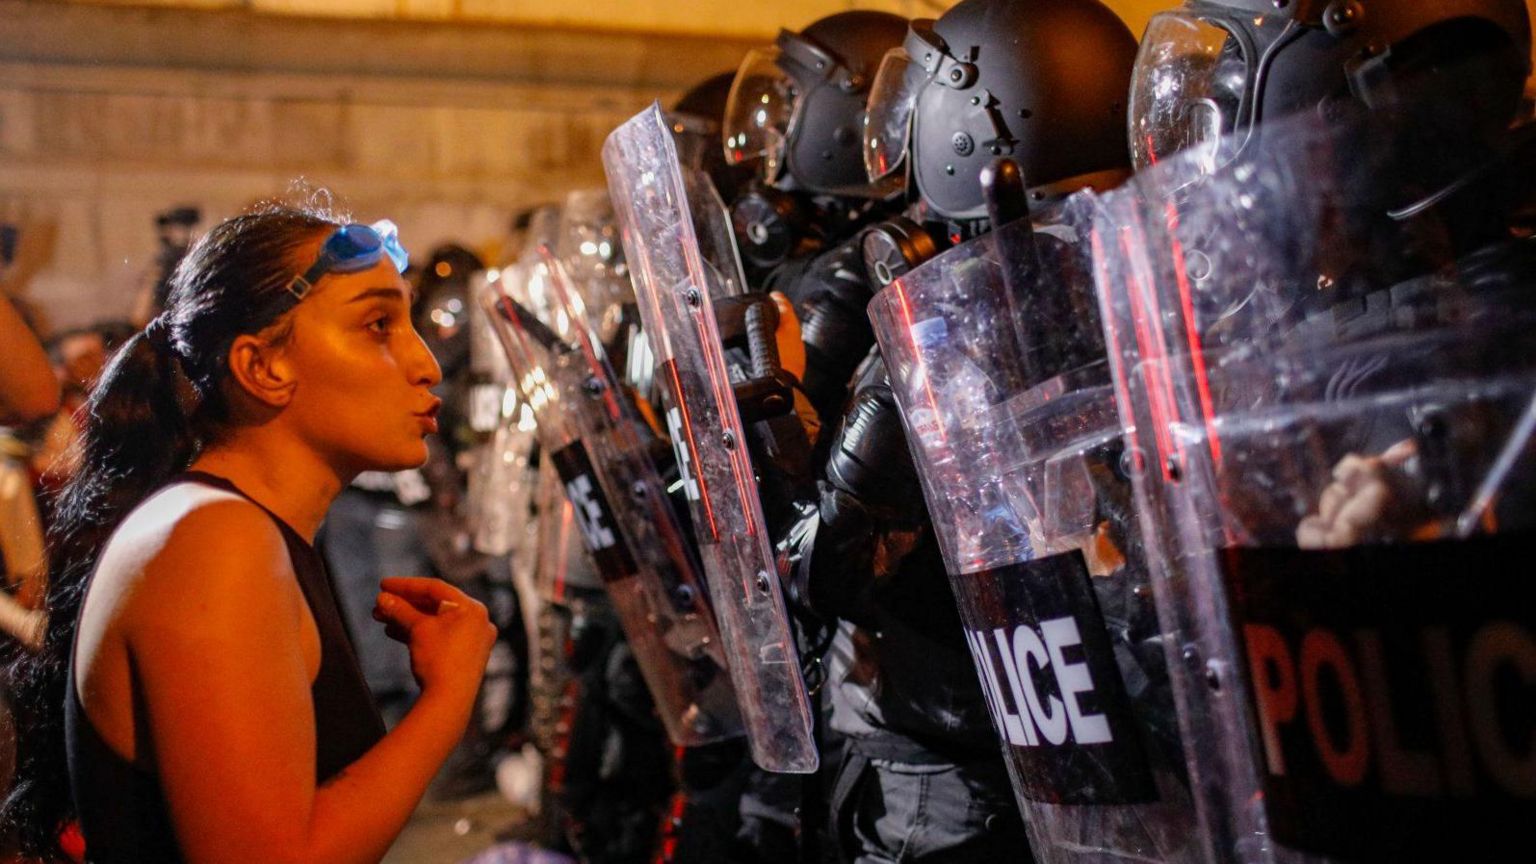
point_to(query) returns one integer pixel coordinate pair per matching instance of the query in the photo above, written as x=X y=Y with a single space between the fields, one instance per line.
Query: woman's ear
x=262 y=369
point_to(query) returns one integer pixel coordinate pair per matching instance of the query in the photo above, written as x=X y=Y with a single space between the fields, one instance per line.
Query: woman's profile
x=196 y=698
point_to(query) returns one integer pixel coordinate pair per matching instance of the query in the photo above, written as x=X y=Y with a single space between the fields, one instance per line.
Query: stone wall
x=650 y=16
x=109 y=115
x=446 y=115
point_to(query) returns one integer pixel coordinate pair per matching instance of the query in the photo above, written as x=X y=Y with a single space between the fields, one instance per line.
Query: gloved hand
x=792 y=360
x=831 y=296
x=870 y=465
x=788 y=336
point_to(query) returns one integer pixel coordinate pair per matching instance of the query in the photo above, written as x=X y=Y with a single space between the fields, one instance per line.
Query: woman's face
x=364 y=375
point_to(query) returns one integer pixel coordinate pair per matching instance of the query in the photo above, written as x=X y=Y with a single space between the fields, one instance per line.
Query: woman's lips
x=428 y=417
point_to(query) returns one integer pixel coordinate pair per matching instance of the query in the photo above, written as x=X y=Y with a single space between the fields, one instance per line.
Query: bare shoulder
x=194 y=574
x=191 y=575
x=191 y=551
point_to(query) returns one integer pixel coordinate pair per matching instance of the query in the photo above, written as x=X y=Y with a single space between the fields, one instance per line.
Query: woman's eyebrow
x=392 y=292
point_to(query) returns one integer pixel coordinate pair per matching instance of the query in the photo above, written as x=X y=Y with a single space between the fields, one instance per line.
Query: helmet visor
x=759 y=111
x=888 y=120
x=1186 y=91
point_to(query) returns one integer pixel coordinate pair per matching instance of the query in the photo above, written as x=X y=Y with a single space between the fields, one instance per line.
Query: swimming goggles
x=351 y=249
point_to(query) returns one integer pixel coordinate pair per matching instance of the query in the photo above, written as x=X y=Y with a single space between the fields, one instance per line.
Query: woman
x=196 y=689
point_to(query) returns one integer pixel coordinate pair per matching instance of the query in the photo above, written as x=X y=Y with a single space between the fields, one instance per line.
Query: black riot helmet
x=1041 y=81
x=1212 y=71
x=442 y=311
x=696 y=118
x=799 y=105
x=706 y=99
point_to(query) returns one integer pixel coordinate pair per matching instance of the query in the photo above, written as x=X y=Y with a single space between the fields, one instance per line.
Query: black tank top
x=122 y=807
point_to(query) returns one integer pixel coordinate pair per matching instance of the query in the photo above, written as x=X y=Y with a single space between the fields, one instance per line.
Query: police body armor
x=996 y=364
x=1332 y=401
x=678 y=245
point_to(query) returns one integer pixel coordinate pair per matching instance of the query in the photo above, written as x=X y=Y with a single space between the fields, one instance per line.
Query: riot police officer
x=1346 y=179
x=796 y=111
x=987 y=79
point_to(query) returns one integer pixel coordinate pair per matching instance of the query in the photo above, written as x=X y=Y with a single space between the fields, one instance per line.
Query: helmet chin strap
x=1254 y=99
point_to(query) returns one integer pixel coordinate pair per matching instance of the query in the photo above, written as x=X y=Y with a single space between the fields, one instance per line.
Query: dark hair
x=158 y=402
x=115 y=332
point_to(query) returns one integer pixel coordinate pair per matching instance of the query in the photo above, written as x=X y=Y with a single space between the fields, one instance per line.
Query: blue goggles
x=351 y=249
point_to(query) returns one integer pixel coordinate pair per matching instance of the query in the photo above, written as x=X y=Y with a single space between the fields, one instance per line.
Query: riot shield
x=502 y=483
x=596 y=401
x=592 y=257
x=678 y=245
x=620 y=509
x=1332 y=384
x=996 y=365
x=558 y=552
x=563 y=562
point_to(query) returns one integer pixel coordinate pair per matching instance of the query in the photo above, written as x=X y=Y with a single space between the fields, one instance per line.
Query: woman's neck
x=292 y=482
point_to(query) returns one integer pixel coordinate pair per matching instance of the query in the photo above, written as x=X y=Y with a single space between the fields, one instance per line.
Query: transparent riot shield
x=997 y=367
x=563 y=561
x=502 y=483
x=525 y=281
x=502 y=486
x=673 y=600
x=558 y=555
x=543 y=230
x=591 y=251
x=592 y=257
x=1332 y=383
x=619 y=507
x=678 y=245
x=554 y=688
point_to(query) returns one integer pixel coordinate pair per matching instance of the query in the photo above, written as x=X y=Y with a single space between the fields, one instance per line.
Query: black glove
x=830 y=298
x=871 y=496
x=870 y=463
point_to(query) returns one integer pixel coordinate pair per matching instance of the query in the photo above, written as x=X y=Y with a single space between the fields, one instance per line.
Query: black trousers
x=895 y=813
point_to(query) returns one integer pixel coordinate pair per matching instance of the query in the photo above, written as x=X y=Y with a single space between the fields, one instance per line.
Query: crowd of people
x=988 y=438
x=50 y=379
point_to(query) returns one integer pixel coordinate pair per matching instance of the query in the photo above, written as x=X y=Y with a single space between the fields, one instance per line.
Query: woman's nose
x=425 y=368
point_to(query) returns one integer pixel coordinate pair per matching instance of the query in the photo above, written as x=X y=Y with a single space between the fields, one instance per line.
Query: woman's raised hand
x=449 y=633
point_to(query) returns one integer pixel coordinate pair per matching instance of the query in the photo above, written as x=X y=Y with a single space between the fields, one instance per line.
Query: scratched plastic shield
x=615 y=502
x=1331 y=386
x=998 y=369
x=503 y=480
x=679 y=250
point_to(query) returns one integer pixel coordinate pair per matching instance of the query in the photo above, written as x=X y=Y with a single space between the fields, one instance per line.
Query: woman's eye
x=379 y=325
